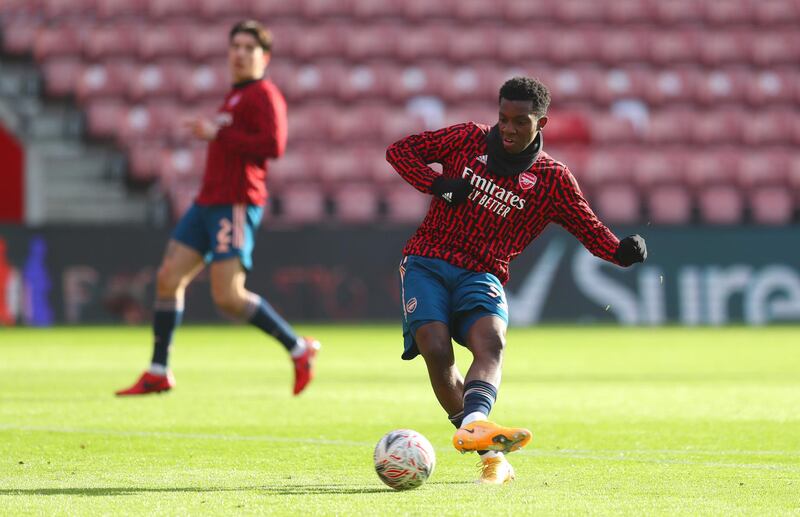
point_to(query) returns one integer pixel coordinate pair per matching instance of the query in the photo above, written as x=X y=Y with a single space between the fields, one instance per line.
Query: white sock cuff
x=473 y=417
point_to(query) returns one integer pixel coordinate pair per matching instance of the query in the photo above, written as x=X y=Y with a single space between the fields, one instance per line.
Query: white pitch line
x=576 y=454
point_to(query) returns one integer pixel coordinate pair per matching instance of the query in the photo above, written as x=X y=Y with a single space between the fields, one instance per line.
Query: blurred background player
x=497 y=192
x=221 y=225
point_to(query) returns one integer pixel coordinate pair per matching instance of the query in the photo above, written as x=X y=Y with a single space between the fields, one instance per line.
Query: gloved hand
x=452 y=190
x=631 y=249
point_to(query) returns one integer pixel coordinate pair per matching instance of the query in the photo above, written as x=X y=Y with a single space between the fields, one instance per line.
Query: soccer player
x=221 y=225
x=497 y=192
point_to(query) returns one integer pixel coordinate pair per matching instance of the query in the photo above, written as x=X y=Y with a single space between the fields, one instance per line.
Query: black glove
x=452 y=190
x=631 y=249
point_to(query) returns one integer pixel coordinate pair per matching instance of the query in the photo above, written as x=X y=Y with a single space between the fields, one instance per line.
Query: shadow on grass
x=287 y=489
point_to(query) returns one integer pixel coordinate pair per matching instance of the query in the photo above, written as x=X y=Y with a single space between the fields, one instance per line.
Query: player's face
x=518 y=125
x=246 y=58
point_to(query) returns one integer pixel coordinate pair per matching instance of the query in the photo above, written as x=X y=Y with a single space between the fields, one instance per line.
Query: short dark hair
x=262 y=35
x=527 y=89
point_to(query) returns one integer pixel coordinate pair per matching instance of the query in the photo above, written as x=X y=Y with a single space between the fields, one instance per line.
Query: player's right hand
x=452 y=190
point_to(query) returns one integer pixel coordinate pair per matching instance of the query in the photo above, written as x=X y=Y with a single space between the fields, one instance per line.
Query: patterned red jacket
x=502 y=214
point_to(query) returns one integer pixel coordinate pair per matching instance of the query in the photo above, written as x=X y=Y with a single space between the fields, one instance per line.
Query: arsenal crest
x=527 y=180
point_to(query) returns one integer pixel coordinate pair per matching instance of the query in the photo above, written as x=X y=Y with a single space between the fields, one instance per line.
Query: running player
x=220 y=227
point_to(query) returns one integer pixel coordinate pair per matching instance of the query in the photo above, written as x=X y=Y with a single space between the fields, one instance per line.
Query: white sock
x=472 y=417
x=158 y=369
x=298 y=349
x=491 y=454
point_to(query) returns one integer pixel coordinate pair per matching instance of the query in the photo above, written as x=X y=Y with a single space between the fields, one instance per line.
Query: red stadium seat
x=169 y=40
x=121 y=8
x=775 y=126
x=153 y=121
x=182 y=163
x=658 y=168
x=297 y=165
x=424 y=42
x=205 y=82
x=669 y=204
x=616 y=84
x=671 y=126
x=571 y=12
x=772 y=205
x=793 y=174
x=61 y=74
x=269 y=10
x=672 y=86
x=405 y=204
x=363 y=82
x=181 y=195
x=57 y=41
x=607 y=166
x=573 y=46
x=770 y=13
x=103 y=117
x=476 y=11
x=104 y=80
x=520 y=12
x=670 y=47
x=620 y=12
x=209 y=43
x=727 y=13
x=359 y=123
x=712 y=167
x=469 y=46
x=53 y=9
x=143 y=160
x=415 y=80
x=341 y=166
x=315 y=81
x=723 y=86
x=773 y=86
x=721 y=204
x=472 y=82
x=20 y=36
x=214 y=10
x=371 y=9
x=302 y=204
x=172 y=8
x=516 y=49
x=424 y=10
x=677 y=11
x=377 y=41
x=314 y=9
x=721 y=48
x=310 y=123
x=399 y=125
x=571 y=84
x=355 y=203
x=624 y=46
x=719 y=126
x=760 y=168
x=617 y=204
x=322 y=42
x=156 y=80
x=111 y=41
x=775 y=47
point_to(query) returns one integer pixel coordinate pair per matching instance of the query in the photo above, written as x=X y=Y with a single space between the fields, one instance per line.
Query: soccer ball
x=404 y=459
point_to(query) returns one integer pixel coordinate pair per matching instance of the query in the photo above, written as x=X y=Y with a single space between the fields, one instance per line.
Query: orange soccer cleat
x=150 y=383
x=496 y=471
x=304 y=365
x=483 y=435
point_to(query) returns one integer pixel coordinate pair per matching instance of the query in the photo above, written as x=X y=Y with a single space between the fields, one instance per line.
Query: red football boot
x=304 y=365
x=149 y=383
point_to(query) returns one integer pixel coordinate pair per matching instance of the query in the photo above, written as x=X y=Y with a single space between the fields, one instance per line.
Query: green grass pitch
x=625 y=421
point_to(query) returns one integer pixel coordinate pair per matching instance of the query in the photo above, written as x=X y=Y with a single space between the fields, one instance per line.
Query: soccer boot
x=496 y=471
x=149 y=383
x=483 y=435
x=304 y=365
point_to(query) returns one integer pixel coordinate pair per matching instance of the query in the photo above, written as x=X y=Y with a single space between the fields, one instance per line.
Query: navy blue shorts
x=219 y=232
x=435 y=290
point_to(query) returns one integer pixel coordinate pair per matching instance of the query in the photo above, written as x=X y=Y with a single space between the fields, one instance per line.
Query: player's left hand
x=631 y=249
x=202 y=128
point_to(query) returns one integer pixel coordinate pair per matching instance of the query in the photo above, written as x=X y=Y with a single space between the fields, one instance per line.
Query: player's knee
x=228 y=301
x=167 y=282
x=433 y=342
x=488 y=346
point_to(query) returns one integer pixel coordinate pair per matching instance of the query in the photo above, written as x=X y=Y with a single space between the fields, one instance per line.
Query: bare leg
x=433 y=341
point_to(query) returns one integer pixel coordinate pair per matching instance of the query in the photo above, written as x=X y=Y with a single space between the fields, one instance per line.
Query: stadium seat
x=516 y=50
x=363 y=82
x=658 y=168
x=172 y=8
x=574 y=46
x=793 y=174
x=325 y=41
x=620 y=47
x=770 y=127
x=572 y=12
x=302 y=204
x=115 y=9
x=53 y=9
x=213 y=10
x=406 y=205
x=372 y=9
x=719 y=126
x=314 y=81
x=573 y=84
x=424 y=42
x=162 y=41
x=143 y=160
x=771 y=13
x=299 y=164
x=723 y=47
x=672 y=47
x=775 y=47
x=355 y=203
x=677 y=12
x=103 y=117
x=179 y=163
x=373 y=41
x=19 y=37
x=209 y=43
x=205 y=82
x=157 y=80
x=154 y=120
x=772 y=205
x=360 y=123
x=338 y=167
x=61 y=74
x=671 y=126
x=110 y=42
x=727 y=13
x=721 y=204
x=624 y=12
x=474 y=11
x=672 y=87
x=520 y=12
x=181 y=195
x=322 y=9
x=723 y=86
x=399 y=125
x=310 y=123
x=61 y=41
x=669 y=204
x=773 y=87
x=269 y=10
x=470 y=46
x=104 y=80
x=617 y=83
x=712 y=167
x=617 y=204
x=413 y=80
x=604 y=167
x=425 y=10
x=477 y=82
x=762 y=168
